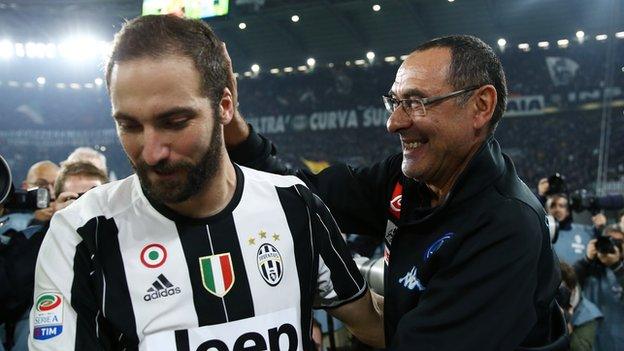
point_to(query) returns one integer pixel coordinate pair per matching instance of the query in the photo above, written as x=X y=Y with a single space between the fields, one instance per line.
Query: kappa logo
x=217 y=273
x=161 y=287
x=153 y=255
x=433 y=248
x=48 y=316
x=270 y=264
x=411 y=281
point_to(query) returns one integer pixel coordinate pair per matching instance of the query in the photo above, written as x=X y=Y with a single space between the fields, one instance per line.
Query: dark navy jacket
x=475 y=273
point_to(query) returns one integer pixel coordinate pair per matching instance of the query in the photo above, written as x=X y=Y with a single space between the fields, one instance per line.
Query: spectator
x=88 y=154
x=601 y=276
x=20 y=255
x=582 y=315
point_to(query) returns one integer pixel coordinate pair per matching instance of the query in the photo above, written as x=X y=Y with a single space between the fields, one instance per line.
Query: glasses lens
x=389 y=103
x=418 y=108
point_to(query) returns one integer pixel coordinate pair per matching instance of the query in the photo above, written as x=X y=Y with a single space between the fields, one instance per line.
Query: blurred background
x=311 y=74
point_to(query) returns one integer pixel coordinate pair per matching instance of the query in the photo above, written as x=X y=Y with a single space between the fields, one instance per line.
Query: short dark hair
x=473 y=62
x=568 y=275
x=80 y=169
x=157 y=36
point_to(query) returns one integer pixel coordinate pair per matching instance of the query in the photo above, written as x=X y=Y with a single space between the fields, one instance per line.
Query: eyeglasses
x=416 y=106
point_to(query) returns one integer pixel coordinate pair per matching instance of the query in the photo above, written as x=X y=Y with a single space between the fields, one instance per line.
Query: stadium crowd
x=565 y=138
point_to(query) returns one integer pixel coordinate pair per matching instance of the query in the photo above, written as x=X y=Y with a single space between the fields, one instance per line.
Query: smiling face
x=171 y=133
x=435 y=146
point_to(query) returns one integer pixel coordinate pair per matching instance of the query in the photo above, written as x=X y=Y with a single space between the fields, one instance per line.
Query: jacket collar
x=485 y=167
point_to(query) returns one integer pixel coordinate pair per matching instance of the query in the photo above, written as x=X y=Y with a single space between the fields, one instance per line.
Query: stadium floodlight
x=563 y=43
x=302 y=68
x=80 y=48
x=311 y=61
x=41 y=80
x=29 y=85
x=242 y=25
x=347 y=63
x=88 y=85
x=543 y=44
x=360 y=62
x=98 y=81
x=370 y=56
x=524 y=46
x=75 y=86
x=580 y=35
x=403 y=57
x=390 y=58
x=330 y=65
x=236 y=75
x=13 y=84
x=601 y=37
x=20 y=51
x=255 y=68
x=274 y=70
x=376 y=7
x=288 y=69
x=501 y=43
x=35 y=50
x=61 y=85
x=619 y=35
x=451 y=0
x=105 y=48
x=50 y=50
x=294 y=18
x=247 y=74
x=6 y=49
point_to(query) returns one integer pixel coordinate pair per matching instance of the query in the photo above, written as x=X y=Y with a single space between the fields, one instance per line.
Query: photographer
x=601 y=275
x=18 y=257
x=573 y=238
x=40 y=175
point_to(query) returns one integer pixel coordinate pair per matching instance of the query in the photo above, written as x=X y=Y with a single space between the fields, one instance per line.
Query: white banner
x=525 y=105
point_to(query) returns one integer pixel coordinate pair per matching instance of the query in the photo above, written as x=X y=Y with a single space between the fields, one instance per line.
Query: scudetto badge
x=270 y=264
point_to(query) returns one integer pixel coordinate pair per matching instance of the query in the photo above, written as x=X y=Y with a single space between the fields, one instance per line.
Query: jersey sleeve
x=64 y=312
x=357 y=196
x=338 y=281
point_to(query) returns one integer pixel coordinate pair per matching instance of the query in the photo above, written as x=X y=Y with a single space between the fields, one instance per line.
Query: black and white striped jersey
x=119 y=271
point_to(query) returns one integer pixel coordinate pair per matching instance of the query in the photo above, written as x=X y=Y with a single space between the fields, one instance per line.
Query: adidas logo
x=161 y=287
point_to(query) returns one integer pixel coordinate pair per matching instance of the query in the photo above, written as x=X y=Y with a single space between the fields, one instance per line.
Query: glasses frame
x=389 y=101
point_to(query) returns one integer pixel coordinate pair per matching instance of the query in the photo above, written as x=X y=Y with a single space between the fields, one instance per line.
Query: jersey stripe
x=196 y=244
x=238 y=301
x=100 y=235
x=298 y=220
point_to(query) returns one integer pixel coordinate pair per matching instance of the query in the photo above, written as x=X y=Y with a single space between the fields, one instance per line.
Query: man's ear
x=484 y=103
x=226 y=107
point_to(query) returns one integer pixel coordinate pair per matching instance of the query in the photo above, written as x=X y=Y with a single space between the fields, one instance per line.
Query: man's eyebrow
x=179 y=110
x=411 y=92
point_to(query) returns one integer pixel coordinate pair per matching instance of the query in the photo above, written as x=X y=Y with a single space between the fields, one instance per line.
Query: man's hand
x=237 y=130
x=363 y=320
x=542 y=186
x=45 y=214
x=610 y=259
x=591 y=250
x=65 y=199
x=599 y=220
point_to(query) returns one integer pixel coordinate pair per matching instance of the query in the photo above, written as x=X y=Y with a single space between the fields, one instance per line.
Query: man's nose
x=156 y=147
x=398 y=120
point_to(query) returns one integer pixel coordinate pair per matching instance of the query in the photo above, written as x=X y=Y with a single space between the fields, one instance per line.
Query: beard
x=195 y=179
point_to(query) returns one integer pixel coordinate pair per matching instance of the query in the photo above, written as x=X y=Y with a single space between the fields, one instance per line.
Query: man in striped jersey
x=193 y=252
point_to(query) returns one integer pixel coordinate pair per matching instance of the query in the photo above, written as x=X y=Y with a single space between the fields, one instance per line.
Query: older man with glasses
x=468 y=261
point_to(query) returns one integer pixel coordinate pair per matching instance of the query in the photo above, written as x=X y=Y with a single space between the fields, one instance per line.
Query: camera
x=581 y=200
x=556 y=185
x=18 y=199
x=606 y=245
